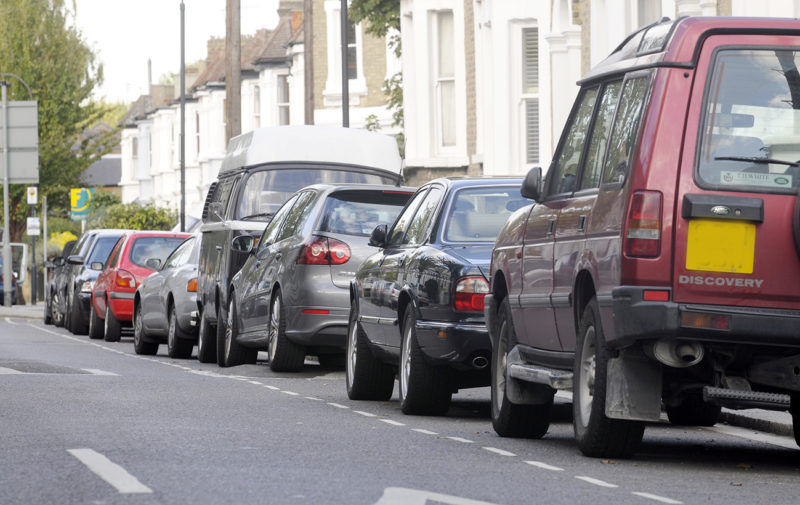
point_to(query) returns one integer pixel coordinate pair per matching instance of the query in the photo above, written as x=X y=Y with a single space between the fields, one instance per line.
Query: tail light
x=643 y=230
x=469 y=295
x=125 y=279
x=324 y=251
x=191 y=286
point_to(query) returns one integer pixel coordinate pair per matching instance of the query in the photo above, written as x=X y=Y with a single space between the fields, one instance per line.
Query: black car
x=417 y=305
x=57 y=268
x=93 y=246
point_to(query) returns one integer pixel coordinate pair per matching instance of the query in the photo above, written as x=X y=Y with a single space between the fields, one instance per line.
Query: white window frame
x=281 y=105
x=257 y=106
x=521 y=98
x=438 y=80
x=357 y=88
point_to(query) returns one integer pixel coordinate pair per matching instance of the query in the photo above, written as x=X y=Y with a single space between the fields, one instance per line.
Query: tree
x=42 y=46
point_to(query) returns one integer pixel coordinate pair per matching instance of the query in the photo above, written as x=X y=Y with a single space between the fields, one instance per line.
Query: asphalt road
x=88 y=422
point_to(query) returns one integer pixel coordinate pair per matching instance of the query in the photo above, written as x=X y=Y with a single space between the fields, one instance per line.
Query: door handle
x=582 y=223
x=551 y=227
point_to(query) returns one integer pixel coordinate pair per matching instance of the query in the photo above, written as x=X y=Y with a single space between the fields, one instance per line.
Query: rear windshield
x=477 y=214
x=750 y=136
x=102 y=248
x=265 y=191
x=359 y=212
x=145 y=248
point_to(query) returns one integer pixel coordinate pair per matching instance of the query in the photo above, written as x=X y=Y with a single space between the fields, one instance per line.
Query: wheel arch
x=582 y=293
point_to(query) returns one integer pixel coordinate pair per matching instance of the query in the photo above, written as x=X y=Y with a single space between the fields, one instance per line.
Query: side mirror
x=59 y=261
x=378 y=236
x=532 y=185
x=49 y=264
x=243 y=243
x=75 y=259
x=96 y=265
x=152 y=263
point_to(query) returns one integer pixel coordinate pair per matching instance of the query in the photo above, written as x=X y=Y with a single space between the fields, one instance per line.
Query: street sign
x=23 y=142
x=34 y=227
x=80 y=201
x=32 y=195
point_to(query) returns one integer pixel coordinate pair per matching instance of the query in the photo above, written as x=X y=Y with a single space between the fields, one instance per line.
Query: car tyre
x=424 y=389
x=140 y=344
x=206 y=341
x=232 y=353
x=78 y=327
x=597 y=435
x=58 y=317
x=113 y=328
x=693 y=411
x=178 y=345
x=510 y=419
x=794 y=409
x=96 y=327
x=48 y=312
x=284 y=355
x=367 y=377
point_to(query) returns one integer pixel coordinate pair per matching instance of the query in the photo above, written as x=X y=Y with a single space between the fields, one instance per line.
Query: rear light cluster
x=324 y=251
x=125 y=279
x=191 y=286
x=469 y=295
x=643 y=230
x=705 y=321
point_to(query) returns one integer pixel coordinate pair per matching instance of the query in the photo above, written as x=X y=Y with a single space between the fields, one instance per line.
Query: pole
x=183 y=122
x=7 y=277
x=33 y=265
x=233 y=70
x=345 y=80
x=308 y=59
x=44 y=244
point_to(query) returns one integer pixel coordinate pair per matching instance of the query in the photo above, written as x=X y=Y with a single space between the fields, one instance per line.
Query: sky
x=124 y=35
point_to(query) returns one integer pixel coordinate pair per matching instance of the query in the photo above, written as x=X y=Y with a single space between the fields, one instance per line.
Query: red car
x=136 y=255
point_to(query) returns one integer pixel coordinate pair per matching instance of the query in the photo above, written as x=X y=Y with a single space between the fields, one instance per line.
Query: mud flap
x=633 y=389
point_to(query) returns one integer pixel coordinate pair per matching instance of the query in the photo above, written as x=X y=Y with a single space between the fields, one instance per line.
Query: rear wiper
x=758 y=160
x=254 y=216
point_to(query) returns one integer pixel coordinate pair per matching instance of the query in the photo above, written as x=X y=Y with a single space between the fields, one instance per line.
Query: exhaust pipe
x=676 y=354
x=480 y=362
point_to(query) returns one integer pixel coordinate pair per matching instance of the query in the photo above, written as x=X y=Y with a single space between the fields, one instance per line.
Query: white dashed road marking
x=462 y=440
x=545 y=466
x=393 y=423
x=596 y=482
x=338 y=405
x=365 y=414
x=501 y=452
x=95 y=371
x=657 y=498
x=110 y=471
x=290 y=393
x=9 y=371
x=424 y=432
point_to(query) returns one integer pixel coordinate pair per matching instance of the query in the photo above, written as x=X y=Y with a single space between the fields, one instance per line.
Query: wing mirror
x=96 y=265
x=75 y=259
x=243 y=243
x=532 y=185
x=378 y=236
x=152 y=263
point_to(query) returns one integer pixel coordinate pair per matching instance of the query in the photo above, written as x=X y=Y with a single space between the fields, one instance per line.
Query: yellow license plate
x=715 y=245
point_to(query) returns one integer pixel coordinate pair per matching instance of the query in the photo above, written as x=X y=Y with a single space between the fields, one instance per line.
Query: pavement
x=776 y=423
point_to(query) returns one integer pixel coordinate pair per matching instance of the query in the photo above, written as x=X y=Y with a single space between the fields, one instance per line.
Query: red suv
x=136 y=255
x=659 y=266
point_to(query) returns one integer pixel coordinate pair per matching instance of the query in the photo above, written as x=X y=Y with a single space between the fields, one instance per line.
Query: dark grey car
x=291 y=296
x=165 y=304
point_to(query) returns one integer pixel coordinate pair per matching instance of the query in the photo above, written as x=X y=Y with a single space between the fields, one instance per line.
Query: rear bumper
x=316 y=329
x=121 y=305
x=636 y=320
x=452 y=342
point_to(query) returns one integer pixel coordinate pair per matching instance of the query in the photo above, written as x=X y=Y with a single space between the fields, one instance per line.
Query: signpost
x=33 y=230
x=80 y=201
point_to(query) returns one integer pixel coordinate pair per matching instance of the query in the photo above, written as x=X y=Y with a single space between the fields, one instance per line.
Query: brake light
x=125 y=279
x=324 y=251
x=643 y=230
x=469 y=294
x=191 y=287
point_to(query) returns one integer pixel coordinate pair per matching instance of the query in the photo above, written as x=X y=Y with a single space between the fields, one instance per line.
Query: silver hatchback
x=291 y=297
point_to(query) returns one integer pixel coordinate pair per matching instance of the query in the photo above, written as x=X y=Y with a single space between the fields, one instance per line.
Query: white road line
x=313 y=398
x=9 y=371
x=338 y=405
x=501 y=452
x=655 y=497
x=596 y=482
x=271 y=387
x=393 y=423
x=752 y=435
x=9 y=321
x=290 y=393
x=109 y=471
x=545 y=466
x=424 y=432
x=462 y=440
x=95 y=371
x=365 y=414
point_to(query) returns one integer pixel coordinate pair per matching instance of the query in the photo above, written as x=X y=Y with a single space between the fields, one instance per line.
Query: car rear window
x=749 y=136
x=102 y=248
x=477 y=214
x=144 y=248
x=266 y=190
x=359 y=212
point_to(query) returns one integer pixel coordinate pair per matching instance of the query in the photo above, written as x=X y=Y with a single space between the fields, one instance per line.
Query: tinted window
x=567 y=161
x=751 y=120
x=221 y=196
x=601 y=130
x=181 y=255
x=398 y=232
x=626 y=125
x=266 y=190
x=114 y=261
x=423 y=220
x=477 y=214
x=144 y=248
x=297 y=215
x=359 y=212
x=274 y=226
x=102 y=248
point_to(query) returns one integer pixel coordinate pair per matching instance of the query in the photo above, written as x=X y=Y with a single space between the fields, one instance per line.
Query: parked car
x=55 y=278
x=92 y=247
x=659 y=264
x=291 y=296
x=3 y=284
x=417 y=304
x=135 y=256
x=262 y=169
x=165 y=304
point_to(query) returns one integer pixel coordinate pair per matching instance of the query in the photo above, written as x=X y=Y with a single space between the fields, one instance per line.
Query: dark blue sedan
x=417 y=304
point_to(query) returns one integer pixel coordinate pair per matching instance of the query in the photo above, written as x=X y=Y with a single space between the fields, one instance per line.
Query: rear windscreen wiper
x=758 y=160
x=254 y=216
